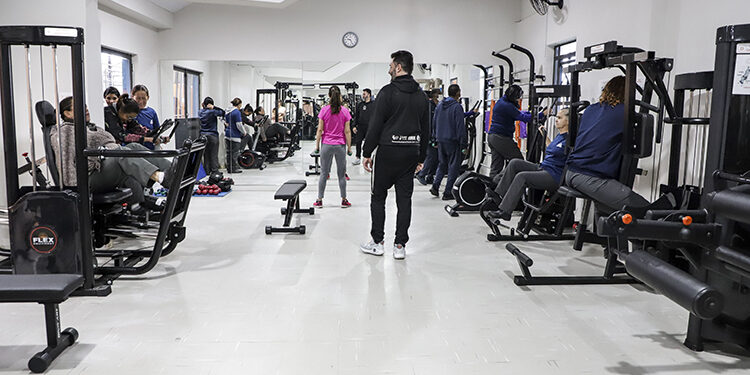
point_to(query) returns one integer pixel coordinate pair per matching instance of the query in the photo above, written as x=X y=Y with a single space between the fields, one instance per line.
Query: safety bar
x=522 y=258
x=731 y=177
x=692 y=294
x=733 y=257
x=136 y=153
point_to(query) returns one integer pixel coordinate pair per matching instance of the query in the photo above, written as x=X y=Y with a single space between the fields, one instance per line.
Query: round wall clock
x=350 y=39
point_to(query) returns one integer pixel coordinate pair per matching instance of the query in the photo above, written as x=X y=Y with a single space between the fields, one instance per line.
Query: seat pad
x=112 y=197
x=290 y=189
x=48 y=288
x=570 y=192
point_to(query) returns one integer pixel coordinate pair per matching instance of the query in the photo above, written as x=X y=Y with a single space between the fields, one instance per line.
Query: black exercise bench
x=50 y=291
x=289 y=192
x=314 y=168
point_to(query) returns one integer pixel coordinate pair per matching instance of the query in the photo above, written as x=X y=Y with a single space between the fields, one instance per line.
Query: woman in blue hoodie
x=233 y=134
x=209 y=115
x=594 y=163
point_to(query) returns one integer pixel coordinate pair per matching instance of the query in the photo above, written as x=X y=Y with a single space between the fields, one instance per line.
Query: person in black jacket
x=427 y=174
x=209 y=115
x=362 y=115
x=111 y=95
x=399 y=130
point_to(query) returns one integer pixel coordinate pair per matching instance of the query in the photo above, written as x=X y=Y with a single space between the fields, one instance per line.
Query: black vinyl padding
x=112 y=197
x=568 y=192
x=290 y=189
x=50 y=288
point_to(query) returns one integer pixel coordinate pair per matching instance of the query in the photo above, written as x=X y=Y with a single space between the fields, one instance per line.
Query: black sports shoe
x=434 y=192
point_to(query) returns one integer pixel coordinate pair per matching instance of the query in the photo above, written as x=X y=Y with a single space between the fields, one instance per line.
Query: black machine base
x=614 y=273
x=314 y=168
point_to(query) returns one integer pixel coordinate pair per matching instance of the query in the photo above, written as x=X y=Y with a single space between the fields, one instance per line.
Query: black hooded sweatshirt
x=401 y=118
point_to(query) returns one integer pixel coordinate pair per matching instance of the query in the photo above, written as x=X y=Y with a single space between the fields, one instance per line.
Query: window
x=117 y=69
x=565 y=54
x=186 y=92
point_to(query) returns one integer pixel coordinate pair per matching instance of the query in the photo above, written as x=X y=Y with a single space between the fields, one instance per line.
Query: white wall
x=302 y=32
x=684 y=30
x=126 y=36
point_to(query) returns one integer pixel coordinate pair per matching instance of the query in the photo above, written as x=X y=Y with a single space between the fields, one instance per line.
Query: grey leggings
x=517 y=176
x=608 y=194
x=327 y=153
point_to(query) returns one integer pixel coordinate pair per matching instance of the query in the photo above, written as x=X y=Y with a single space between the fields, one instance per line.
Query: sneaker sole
x=397 y=257
x=366 y=251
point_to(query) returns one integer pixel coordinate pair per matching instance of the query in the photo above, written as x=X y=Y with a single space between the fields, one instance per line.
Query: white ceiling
x=176 y=5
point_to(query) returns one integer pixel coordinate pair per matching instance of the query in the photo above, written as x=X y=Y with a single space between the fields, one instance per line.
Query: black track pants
x=394 y=166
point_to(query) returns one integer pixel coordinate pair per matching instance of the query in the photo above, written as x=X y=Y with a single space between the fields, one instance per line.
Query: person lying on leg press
x=521 y=174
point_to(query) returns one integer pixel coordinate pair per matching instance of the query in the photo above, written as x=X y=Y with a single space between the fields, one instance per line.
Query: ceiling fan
x=541 y=6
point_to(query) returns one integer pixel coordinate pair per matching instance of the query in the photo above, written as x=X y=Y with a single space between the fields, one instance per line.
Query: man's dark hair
x=434 y=93
x=453 y=90
x=208 y=100
x=367 y=91
x=405 y=59
x=111 y=90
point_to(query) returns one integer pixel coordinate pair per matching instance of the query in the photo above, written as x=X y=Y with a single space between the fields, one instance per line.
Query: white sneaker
x=373 y=248
x=399 y=251
x=356 y=161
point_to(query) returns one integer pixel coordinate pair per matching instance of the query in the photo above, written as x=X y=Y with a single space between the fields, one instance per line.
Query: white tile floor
x=232 y=300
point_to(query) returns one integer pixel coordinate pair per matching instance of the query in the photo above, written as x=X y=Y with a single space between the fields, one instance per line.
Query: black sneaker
x=421 y=179
x=434 y=192
x=447 y=196
x=499 y=215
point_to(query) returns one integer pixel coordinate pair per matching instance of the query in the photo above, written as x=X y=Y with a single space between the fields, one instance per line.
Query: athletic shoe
x=448 y=196
x=318 y=203
x=421 y=179
x=357 y=161
x=345 y=203
x=373 y=248
x=434 y=192
x=399 y=251
x=347 y=177
x=499 y=215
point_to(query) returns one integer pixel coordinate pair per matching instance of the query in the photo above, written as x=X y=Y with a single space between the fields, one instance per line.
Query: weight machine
x=52 y=229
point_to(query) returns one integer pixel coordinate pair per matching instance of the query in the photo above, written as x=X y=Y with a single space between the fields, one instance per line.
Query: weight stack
x=45 y=234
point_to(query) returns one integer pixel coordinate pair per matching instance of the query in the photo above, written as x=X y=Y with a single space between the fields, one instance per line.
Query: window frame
x=185 y=72
x=557 y=61
x=126 y=56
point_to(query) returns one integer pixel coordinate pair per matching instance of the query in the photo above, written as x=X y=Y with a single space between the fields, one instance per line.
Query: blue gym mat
x=223 y=193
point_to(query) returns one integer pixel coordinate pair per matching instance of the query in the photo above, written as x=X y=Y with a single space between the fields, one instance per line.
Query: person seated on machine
x=110 y=173
x=594 y=164
x=248 y=124
x=273 y=131
x=521 y=174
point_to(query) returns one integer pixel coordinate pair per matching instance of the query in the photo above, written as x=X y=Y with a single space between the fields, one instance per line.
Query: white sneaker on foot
x=373 y=248
x=356 y=161
x=399 y=251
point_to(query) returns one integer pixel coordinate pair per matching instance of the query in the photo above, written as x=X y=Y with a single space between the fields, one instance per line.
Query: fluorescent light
x=60 y=31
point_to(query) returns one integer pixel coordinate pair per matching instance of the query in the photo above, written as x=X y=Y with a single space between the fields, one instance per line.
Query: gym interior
x=572 y=178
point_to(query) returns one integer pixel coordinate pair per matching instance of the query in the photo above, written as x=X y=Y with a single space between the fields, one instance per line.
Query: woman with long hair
x=336 y=138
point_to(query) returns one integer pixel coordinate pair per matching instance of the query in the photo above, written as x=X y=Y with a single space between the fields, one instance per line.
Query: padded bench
x=582 y=234
x=50 y=291
x=289 y=192
x=314 y=168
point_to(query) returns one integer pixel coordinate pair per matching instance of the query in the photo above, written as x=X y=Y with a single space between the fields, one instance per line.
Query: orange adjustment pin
x=627 y=219
x=687 y=220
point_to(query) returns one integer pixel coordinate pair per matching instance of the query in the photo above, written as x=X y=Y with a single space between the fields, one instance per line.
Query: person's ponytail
x=335 y=93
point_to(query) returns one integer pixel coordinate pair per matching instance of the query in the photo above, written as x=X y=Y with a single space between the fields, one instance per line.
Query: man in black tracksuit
x=399 y=129
x=361 y=120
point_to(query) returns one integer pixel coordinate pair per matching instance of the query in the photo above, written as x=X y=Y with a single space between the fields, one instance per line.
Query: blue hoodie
x=234 y=120
x=449 y=122
x=209 y=119
x=598 y=145
x=504 y=117
x=554 y=157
